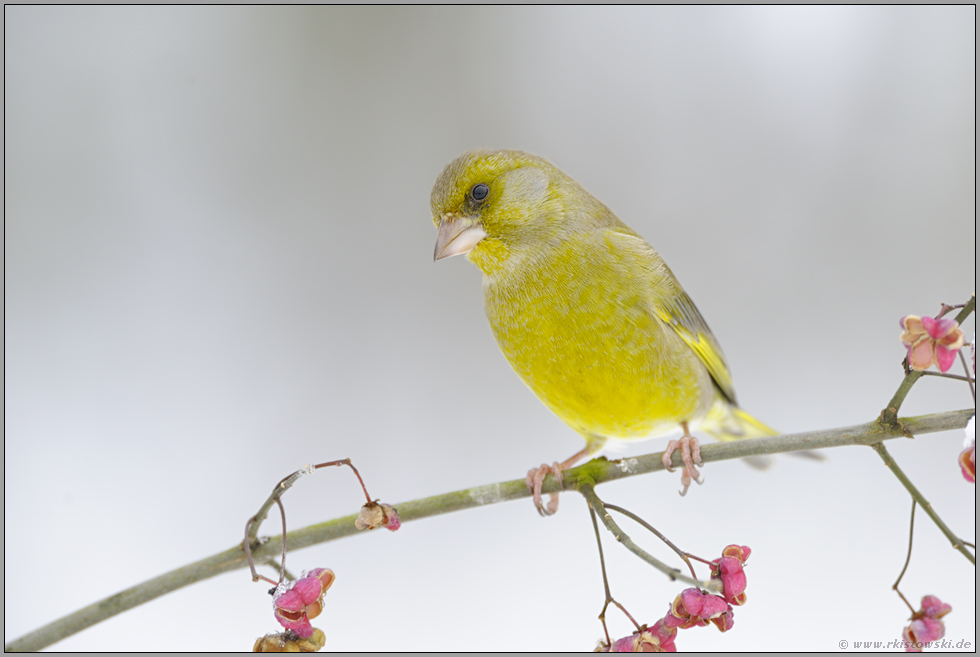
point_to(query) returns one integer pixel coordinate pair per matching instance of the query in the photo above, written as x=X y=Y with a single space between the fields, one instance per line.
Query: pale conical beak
x=457 y=235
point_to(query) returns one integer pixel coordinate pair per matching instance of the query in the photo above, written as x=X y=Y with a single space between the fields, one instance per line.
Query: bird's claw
x=690 y=456
x=535 y=480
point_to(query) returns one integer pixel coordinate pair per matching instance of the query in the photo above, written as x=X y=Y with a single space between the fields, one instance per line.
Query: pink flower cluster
x=926 y=625
x=694 y=608
x=931 y=341
x=297 y=601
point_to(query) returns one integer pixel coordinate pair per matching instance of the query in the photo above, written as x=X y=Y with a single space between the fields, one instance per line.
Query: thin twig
x=922 y=501
x=972 y=381
x=285 y=484
x=683 y=555
x=282 y=568
x=945 y=309
x=275 y=565
x=908 y=558
x=248 y=551
x=348 y=463
x=588 y=491
x=605 y=583
x=944 y=375
x=605 y=580
x=252 y=525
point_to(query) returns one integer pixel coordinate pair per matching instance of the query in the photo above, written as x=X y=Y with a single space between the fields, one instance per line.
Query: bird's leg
x=535 y=479
x=690 y=455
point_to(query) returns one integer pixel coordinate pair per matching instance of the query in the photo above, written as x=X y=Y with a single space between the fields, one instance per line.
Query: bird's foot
x=534 y=481
x=691 y=457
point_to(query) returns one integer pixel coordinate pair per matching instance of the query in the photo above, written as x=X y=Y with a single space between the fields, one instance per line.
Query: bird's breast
x=581 y=333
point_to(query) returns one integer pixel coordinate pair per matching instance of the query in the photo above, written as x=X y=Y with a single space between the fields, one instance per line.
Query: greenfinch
x=585 y=311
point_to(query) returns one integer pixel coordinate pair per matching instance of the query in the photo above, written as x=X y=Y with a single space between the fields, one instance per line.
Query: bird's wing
x=676 y=310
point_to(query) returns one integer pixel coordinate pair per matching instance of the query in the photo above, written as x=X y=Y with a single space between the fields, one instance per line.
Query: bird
x=586 y=312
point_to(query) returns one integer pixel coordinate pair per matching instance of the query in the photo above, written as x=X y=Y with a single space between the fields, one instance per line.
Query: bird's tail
x=727 y=422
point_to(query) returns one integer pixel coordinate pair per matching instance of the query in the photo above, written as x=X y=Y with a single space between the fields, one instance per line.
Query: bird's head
x=494 y=205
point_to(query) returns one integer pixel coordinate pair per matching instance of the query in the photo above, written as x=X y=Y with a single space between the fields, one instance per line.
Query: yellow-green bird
x=586 y=312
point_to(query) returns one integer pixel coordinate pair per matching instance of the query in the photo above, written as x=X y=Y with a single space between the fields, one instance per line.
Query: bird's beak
x=457 y=235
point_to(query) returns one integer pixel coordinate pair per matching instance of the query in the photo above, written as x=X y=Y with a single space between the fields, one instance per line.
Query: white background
x=218 y=268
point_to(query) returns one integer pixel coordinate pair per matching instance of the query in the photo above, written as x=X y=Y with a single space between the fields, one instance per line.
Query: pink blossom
x=933 y=607
x=658 y=638
x=931 y=341
x=729 y=569
x=920 y=632
x=926 y=625
x=296 y=602
x=726 y=621
x=693 y=608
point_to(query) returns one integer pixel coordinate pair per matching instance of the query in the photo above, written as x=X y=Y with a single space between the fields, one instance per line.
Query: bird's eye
x=479 y=192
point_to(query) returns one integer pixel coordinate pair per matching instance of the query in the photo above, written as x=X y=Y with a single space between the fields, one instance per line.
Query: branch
x=596 y=471
x=599 y=509
x=924 y=503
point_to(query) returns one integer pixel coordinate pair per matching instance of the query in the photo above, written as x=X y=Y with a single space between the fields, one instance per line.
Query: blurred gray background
x=218 y=267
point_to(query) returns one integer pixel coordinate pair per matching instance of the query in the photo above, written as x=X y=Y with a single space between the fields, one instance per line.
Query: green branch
x=594 y=472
